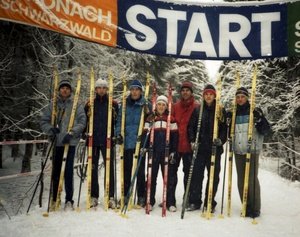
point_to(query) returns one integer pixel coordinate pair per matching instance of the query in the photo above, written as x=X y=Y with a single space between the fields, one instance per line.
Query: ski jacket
x=159 y=126
x=207 y=127
x=182 y=112
x=64 y=109
x=132 y=120
x=101 y=119
x=260 y=129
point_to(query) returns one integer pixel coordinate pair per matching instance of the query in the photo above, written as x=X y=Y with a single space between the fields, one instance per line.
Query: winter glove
x=146 y=108
x=143 y=151
x=172 y=159
x=218 y=142
x=54 y=131
x=151 y=117
x=228 y=114
x=257 y=113
x=119 y=139
x=193 y=146
x=67 y=138
x=84 y=136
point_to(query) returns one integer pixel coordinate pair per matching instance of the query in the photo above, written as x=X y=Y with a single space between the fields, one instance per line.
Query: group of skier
x=175 y=129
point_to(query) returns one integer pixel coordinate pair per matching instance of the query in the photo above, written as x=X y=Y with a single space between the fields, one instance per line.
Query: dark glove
x=67 y=138
x=84 y=136
x=257 y=113
x=172 y=159
x=193 y=146
x=143 y=151
x=146 y=108
x=218 y=142
x=54 y=131
x=119 y=139
x=229 y=114
x=151 y=117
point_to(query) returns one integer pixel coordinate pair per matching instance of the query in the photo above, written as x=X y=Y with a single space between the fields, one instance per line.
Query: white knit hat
x=101 y=83
x=162 y=99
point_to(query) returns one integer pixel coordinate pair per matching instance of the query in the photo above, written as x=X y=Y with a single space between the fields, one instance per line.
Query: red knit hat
x=187 y=84
x=209 y=89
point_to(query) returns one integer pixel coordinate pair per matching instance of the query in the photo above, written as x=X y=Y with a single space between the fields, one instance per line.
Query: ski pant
x=128 y=162
x=159 y=160
x=254 y=200
x=203 y=161
x=95 y=176
x=186 y=159
x=57 y=162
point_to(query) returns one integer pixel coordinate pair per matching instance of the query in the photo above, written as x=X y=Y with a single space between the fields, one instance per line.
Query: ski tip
x=254 y=222
x=45 y=214
x=221 y=216
x=123 y=215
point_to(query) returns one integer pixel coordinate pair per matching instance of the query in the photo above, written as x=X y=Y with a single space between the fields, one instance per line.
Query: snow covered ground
x=280 y=214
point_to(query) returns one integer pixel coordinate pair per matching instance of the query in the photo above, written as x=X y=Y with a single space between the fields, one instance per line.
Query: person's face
x=135 y=93
x=161 y=108
x=101 y=91
x=64 y=92
x=241 y=99
x=186 y=93
x=209 y=98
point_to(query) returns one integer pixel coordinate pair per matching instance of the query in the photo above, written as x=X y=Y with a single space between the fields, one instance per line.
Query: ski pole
x=115 y=177
x=195 y=151
x=225 y=164
x=83 y=169
x=130 y=191
x=42 y=171
x=254 y=181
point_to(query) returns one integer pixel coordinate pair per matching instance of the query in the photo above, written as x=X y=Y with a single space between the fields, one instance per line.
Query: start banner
x=236 y=31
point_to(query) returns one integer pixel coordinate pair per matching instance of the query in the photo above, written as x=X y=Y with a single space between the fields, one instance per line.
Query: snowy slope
x=280 y=217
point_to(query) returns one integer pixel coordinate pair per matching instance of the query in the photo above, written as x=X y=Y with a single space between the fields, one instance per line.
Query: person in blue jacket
x=135 y=102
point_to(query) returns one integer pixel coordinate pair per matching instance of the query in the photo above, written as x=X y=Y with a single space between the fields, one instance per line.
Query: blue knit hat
x=136 y=84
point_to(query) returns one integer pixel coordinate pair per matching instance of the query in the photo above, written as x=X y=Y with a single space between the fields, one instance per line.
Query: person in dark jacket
x=240 y=148
x=158 y=124
x=182 y=111
x=206 y=144
x=63 y=137
x=135 y=102
x=100 y=139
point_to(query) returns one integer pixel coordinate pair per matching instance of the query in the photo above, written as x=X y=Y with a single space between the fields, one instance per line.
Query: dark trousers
x=159 y=160
x=254 y=199
x=186 y=159
x=95 y=162
x=203 y=161
x=128 y=161
x=57 y=162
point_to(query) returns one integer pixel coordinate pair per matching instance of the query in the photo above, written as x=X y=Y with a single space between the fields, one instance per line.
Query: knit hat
x=209 y=89
x=136 y=84
x=101 y=83
x=162 y=99
x=243 y=91
x=187 y=84
x=65 y=82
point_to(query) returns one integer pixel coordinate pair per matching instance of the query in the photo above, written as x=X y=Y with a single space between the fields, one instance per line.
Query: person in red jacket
x=182 y=112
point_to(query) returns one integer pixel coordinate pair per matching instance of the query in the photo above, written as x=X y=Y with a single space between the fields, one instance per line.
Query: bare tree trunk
x=14 y=151
x=26 y=166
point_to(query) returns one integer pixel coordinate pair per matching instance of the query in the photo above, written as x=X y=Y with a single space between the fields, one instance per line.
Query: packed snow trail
x=280 y=217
